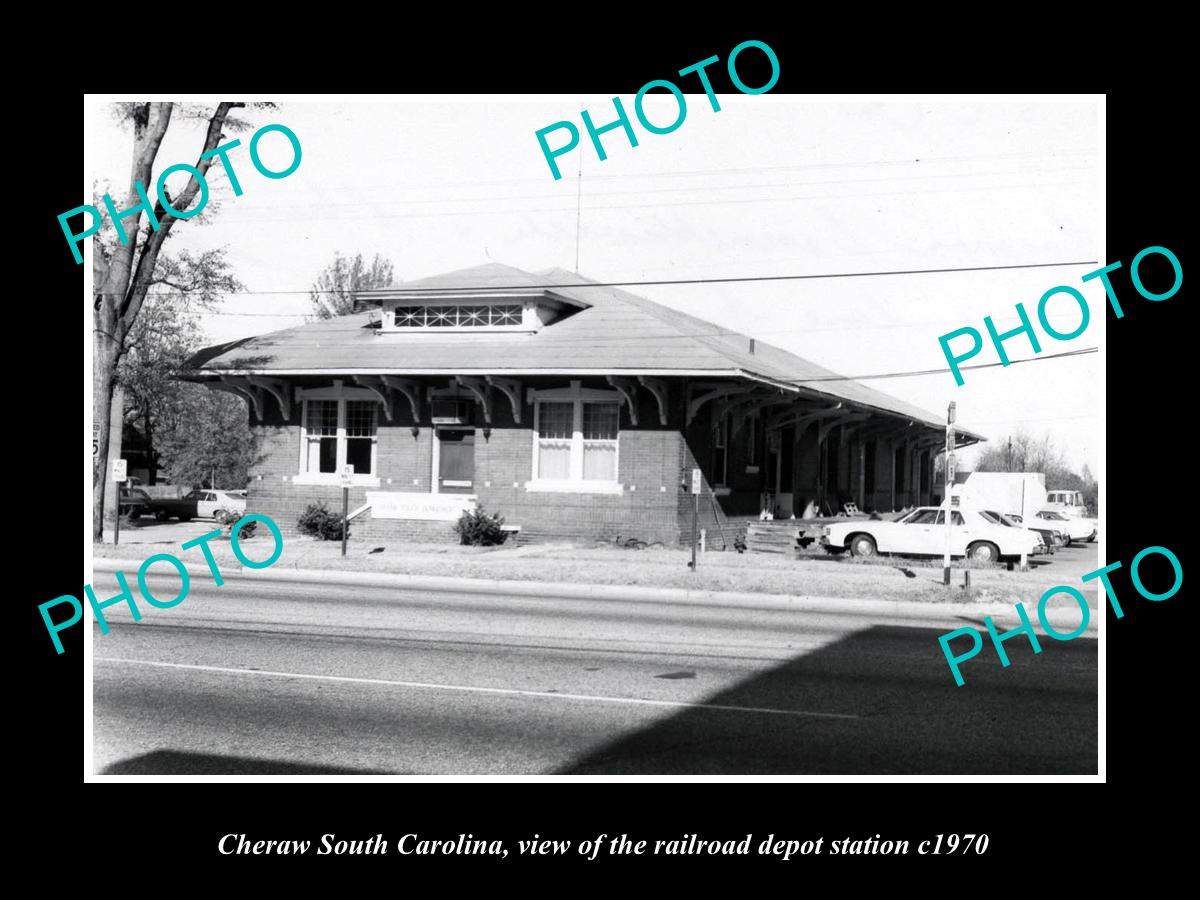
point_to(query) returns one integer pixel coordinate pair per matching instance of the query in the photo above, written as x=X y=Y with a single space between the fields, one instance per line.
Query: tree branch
x=143 y=275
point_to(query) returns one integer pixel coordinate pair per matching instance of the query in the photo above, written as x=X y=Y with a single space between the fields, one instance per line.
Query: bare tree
x=332 y=294
x=1023 y=452
x=124 y=273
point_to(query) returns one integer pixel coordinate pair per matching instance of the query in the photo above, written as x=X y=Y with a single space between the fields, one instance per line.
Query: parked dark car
x=134 y=502
x=181 y=508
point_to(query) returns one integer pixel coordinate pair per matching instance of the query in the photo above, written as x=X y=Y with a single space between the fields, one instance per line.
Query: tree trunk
x=151 y=453
x=103 y=385
x=116 y=422
x=121 y=286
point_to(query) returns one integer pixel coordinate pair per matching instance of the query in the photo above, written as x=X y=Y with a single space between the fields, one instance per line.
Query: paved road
x=276 y=677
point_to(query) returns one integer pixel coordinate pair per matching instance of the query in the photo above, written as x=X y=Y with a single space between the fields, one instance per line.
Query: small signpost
x=697 y=482
x=951 y=502
x=347 y=478
x=120 y=474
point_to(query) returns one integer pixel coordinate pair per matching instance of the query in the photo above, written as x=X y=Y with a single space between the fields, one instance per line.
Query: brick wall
x=647 y=467
x=653 y=462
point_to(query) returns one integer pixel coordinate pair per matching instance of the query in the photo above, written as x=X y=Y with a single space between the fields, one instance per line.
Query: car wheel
x=221 y=516
x=984 y=552
x=862 y=545
x=161 y=515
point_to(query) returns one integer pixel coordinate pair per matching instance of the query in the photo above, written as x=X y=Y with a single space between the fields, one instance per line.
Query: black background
x=1145 y=497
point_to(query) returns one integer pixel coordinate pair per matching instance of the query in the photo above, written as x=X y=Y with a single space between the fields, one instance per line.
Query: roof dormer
x=448 y=312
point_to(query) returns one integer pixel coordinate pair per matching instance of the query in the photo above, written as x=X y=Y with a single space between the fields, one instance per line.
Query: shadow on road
x=177 y=762
x=1039 y=715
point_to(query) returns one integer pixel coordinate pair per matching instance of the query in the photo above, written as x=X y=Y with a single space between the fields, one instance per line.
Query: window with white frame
x=601 y=424
x=576 y=439
x=556 y=437
x=338 y=428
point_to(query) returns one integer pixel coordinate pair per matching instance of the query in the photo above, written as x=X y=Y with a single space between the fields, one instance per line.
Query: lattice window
x=458 y=316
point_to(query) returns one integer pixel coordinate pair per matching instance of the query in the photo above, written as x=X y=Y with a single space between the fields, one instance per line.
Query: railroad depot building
x=573 y=410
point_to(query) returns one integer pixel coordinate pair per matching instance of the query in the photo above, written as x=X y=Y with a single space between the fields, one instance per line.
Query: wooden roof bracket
x=658 y=388
x=694 y=403
x=375 y=384
x=800 y=416
x=746 y=408
x=277 y=388
x=628 y=389
x=235 y=385
x=411 y=391
x=836 y=421
x=479 y=388
x=511 y=388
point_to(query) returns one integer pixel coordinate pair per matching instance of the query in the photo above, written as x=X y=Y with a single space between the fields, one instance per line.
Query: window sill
x=574 y=487
x=334 y=479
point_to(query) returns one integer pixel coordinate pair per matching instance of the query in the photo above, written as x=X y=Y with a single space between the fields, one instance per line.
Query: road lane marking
x=553 y=695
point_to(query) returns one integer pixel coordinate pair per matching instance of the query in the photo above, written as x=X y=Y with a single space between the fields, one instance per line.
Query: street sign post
x=347 y=478
x=697 y=482
x=120 y=469
x=950 y=504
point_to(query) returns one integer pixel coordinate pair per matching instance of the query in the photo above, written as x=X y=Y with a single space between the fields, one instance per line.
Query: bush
x=229 y=521
x=320 y=522
x=480 y=529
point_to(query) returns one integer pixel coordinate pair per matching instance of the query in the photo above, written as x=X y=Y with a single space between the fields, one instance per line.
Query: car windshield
x=1051 y=514
x=920 y=517
x=997 y=518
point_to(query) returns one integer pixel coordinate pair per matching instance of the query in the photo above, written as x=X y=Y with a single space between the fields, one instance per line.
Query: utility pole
x=950 y=465
x=697 y=482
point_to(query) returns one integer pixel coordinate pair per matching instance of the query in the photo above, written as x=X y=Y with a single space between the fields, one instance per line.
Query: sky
x=769 y=185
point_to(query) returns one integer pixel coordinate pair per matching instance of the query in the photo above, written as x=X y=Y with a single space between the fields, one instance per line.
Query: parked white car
x=1076 y=529
x=923 y=533
x=208 y=502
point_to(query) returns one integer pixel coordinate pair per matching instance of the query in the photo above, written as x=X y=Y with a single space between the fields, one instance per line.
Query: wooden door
x=456 y=460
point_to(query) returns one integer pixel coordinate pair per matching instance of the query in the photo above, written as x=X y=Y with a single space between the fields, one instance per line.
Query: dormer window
x=459 y=316
x=413 y=312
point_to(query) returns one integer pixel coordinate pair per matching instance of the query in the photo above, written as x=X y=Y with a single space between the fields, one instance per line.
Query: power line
x=665 y=281
x=942 y=371
x=744 y=169
x=377 y=198
x=236 y=219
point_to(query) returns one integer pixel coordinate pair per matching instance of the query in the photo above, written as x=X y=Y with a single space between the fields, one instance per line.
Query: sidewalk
x=563 y=571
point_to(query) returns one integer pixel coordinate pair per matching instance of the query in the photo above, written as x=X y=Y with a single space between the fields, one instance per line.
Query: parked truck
x=1069 y=503
x=1010 y=493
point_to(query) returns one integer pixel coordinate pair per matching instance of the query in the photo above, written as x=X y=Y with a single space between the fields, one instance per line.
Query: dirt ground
x=814 y=574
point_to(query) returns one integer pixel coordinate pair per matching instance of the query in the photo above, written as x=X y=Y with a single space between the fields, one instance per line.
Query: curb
x=906 y=609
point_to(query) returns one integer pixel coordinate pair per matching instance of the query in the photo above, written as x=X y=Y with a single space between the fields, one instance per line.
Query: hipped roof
x=615 y=332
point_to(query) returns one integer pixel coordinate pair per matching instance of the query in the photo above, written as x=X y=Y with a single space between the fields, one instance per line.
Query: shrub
x=480 y=529
x=320 y=522
x=229 y=522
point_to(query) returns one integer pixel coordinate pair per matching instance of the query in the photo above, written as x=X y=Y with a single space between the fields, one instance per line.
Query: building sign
x=120 y=470
x=696 y=481
x=402 y=505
